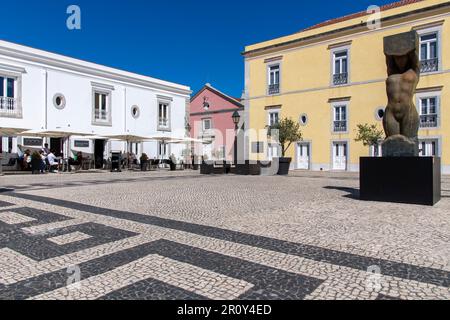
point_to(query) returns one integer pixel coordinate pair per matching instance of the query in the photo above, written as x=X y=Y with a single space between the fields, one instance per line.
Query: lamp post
x=236 y=119
x=188 y=146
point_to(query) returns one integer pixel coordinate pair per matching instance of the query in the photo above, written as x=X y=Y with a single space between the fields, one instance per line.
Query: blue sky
x=189 y=42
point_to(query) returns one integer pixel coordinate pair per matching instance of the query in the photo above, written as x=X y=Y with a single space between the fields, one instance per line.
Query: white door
x=303 y=156
x=340 y=156
x=272 y=151
x=163 y=151
x=207 y=151
x=428 y=148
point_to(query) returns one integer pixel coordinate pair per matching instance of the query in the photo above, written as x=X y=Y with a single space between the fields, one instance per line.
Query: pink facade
x=211 y=120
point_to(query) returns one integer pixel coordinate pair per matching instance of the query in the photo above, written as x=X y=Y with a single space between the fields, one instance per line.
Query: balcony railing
x=101 y=115
x=340 y=78
x=340 y=126
x=274 y=88
x=8 y=106
x=429 y=121
x=163 y=123
x=430 y=65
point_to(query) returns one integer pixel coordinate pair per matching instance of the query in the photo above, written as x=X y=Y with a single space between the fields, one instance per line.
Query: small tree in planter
x=369 y=135
x=288 y=133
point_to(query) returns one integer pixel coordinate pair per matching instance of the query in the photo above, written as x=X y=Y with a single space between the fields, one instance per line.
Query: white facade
x=51 y=91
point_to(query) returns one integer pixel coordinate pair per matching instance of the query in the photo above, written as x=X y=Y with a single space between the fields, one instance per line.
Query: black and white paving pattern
x=182 y=236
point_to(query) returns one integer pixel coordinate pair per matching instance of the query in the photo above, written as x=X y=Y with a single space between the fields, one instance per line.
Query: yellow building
x=331 y=77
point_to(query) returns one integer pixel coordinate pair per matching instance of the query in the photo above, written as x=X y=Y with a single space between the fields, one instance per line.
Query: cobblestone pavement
x=179 y=235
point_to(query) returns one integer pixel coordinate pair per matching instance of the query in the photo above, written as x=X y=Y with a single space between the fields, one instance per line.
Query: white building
x=42 y=90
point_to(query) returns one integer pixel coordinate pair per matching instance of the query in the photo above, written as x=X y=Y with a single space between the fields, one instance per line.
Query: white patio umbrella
x=128 y=137
x=10 y=132
x=55 y=133
x=188 y=140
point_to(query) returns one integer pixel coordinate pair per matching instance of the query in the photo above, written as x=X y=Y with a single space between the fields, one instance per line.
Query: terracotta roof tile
x=361 y=14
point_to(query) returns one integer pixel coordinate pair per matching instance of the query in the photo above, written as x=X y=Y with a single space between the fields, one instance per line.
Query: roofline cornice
x=93 y=69
x=319 y=36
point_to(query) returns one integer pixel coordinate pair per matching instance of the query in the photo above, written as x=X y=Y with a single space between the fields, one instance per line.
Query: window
x=163 y=116
x=207 y=124
x=428 y=112
x=101 y=107
x=274 y=79
x=221 y=152
x=59 y=101
x=274 y=118
x=379 y=113
x=7 y=94
x=340 y=118
x=258 y=147
x=135 y=112
x=428 y=148
x=429 y=58
x=340 y=67
x=303 y=120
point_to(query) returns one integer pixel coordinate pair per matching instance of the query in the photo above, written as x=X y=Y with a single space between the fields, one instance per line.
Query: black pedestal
x=412 y=180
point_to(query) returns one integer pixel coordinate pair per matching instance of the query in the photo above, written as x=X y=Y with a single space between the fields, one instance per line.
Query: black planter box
x=412 y=180
x=284 y=166
x=145 y=165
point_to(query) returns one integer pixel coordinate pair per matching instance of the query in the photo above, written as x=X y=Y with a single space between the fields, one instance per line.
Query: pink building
x=211 y=120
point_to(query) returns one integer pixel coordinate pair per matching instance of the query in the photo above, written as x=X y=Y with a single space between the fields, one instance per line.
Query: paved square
x=14 y=218
x=164 y=235
x=69 y=238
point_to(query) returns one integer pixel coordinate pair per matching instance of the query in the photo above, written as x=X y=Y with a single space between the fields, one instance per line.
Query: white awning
x=57 y=133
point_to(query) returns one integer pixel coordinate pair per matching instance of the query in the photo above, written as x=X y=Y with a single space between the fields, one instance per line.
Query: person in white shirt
x=53 y=161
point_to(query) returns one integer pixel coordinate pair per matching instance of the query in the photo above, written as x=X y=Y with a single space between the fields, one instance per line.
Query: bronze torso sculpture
x=401 y=119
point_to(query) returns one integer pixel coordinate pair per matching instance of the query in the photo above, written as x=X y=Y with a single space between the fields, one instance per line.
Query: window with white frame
x=7 y=94
x=340 y=118
x=429 y=57
x=274 y=79
x=376 y=150
x=428 y=107
x=340 y=67
x=207 y=124
x=163 y=115
x=273 y=117
x=429 y=148
x=163 y=150
x=102 y=107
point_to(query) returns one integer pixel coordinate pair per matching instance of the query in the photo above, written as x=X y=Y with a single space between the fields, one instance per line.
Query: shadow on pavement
x=353 y=193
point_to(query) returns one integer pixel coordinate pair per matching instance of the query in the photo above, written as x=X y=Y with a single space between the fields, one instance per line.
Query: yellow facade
x=306 y=87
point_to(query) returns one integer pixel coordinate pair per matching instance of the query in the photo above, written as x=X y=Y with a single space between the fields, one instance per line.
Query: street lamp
x=188 y=128
x=236 y=119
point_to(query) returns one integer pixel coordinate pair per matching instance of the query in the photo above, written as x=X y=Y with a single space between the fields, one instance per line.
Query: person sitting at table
x=25 y=160
x=52 y=161
x=46 y=149
x=77 y=160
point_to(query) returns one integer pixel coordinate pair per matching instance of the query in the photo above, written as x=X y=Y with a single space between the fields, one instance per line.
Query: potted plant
x=36 y=162
x=370 y=136
x=288 y=133
x=173 y=162
x=144 y=162
x=195 y=162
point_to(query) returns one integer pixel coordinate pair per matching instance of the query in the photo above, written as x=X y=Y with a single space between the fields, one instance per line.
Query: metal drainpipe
x=125 y=113
x=46 y=97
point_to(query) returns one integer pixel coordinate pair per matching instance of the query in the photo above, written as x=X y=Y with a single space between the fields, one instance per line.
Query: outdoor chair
x=154 y=164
